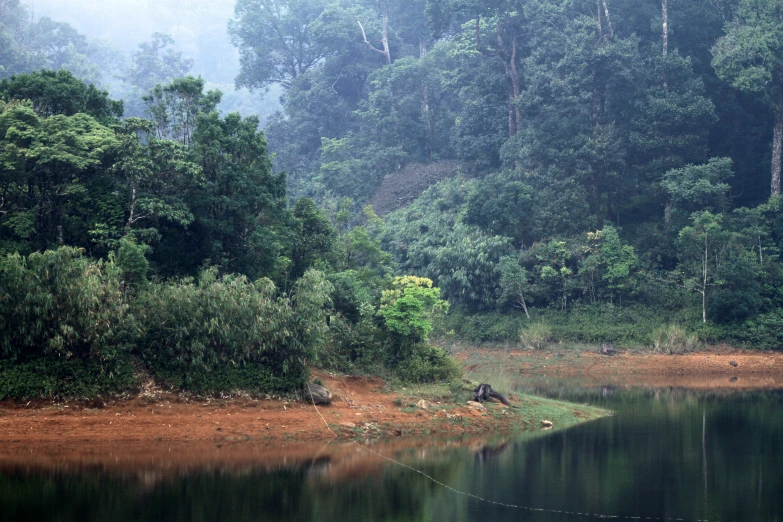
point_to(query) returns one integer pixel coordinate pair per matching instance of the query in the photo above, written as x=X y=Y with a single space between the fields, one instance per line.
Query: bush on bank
x=72 y=326
x=69 y=327
x=61 y=304
x=230 y=332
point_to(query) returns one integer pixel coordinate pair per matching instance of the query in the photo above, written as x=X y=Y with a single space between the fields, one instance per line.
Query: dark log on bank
x=484 y=393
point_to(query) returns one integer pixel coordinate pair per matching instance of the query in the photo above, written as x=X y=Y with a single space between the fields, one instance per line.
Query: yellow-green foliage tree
x=407 y=309
x=408 y=306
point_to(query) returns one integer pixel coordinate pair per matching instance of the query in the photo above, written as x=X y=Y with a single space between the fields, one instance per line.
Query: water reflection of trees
x=667 y=453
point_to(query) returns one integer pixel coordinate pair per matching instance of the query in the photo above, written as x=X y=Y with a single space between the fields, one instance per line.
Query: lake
x=666 y=454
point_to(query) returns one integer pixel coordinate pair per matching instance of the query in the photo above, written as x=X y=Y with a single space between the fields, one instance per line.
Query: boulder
x=734 y=363
x=546 y=423
x=319 y=394
x=476 y=405
x=424 y=405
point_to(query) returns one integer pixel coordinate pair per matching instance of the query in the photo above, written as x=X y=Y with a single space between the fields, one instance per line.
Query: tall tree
x=275 y=40
x=750 y=57
x=155 y=176
x=59 y=92
x=156 y=63
x=498 y=30
x=241 y=206
x=52 y=158
x=174 y=107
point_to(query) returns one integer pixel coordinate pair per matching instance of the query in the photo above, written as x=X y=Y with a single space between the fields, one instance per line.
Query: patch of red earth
x=360 y=407
x=157 y=434
x=401 y=188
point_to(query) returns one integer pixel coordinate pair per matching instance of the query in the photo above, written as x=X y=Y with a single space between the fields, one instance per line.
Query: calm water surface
x=665 y=454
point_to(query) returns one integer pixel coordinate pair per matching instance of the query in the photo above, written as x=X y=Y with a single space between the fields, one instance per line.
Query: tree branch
x=371 y=46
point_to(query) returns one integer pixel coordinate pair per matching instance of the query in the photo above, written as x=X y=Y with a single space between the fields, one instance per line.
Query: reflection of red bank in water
x=157 y=460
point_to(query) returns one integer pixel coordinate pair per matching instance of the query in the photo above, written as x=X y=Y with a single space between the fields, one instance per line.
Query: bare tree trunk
x=515 y=82
x=608 y=19
x=599 y=87
x=704 y=305
x=523 y=304
x=60 y=238
x=129 y=223
x=385 y=34
x=777 y=149
x=667 y=212
x=600 y=25
x=665 y=13
x=509 y=58
x=704 y=278
x=514 y=116
x=595 y=109
x=385 y=52
x=425 y=107
x=565 y=296
x=512 y=128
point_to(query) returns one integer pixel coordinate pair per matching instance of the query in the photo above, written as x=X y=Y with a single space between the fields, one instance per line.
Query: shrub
x=352 y=347
x=536 y=336
x=674 y=339
x=194 y=330
x=59 y=302
x=428 y=364
x=46 y=376
x=627 y=325
x=350 y=293
x=407 y=309
x=408 y=305
x=132 y=261
x=763 y=331
x=482 y=327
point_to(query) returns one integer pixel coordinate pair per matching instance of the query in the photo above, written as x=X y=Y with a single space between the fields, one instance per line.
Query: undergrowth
x=51 y=377
x=625 y=327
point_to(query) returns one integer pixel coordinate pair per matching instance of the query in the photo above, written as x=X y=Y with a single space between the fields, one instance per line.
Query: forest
x=525 y=172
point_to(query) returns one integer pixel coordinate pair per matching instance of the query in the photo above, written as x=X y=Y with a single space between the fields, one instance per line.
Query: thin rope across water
x=494 y=502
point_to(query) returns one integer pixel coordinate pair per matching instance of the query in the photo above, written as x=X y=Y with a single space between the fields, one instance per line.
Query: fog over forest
x=199 y=30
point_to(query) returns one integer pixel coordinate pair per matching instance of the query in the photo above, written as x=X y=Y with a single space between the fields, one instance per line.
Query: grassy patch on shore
x=526 y=413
